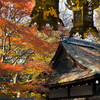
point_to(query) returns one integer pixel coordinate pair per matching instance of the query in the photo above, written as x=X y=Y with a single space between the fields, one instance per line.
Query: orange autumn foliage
x=17 y=42
x=7 y=68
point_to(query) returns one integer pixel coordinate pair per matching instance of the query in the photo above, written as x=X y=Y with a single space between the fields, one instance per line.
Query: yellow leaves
x=12 y=89
x=29 y=70
x=51 y=39
x=98 y=8
x=42 y=35
x=51 y=11
x=42 y=57
x=36 y=74
x=94 y=34
x=1 y=51
x=35 y=95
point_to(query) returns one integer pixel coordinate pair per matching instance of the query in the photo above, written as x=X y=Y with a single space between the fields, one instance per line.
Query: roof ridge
x=81 y=42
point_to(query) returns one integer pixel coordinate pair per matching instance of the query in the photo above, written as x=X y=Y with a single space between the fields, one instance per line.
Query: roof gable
x=86 y=56
x=84 y=52
x=62 y=62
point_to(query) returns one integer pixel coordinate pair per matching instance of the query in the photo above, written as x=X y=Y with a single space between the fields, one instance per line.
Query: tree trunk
x=18 y=94
x=9 y=43
x=3 y=47
x=15 y=78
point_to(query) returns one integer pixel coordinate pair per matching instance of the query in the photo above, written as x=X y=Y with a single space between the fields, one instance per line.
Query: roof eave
x=78 y=81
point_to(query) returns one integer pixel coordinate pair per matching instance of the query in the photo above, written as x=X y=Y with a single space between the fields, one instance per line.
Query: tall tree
x=24 y=55
x=24 y=51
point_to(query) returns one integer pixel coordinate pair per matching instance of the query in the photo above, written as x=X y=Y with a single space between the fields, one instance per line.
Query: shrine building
x=76 y=71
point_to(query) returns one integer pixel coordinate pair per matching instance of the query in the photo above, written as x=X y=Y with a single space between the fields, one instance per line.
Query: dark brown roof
x=86 y=55
x=84 y=52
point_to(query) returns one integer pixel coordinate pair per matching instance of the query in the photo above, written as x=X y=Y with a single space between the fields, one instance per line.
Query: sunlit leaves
x=25 y=54
x=7 y=68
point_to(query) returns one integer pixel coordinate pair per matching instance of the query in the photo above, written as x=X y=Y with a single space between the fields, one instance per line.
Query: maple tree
x=24 y=51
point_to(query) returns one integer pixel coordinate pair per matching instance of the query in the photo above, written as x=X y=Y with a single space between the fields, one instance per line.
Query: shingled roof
x=85 y=52
x=86 y=56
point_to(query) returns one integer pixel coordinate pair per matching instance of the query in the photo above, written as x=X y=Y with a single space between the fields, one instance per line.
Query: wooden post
x=68 y=91
x=94 y=87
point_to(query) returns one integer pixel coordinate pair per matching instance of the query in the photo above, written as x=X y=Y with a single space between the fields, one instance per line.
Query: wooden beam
x=97 y=76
